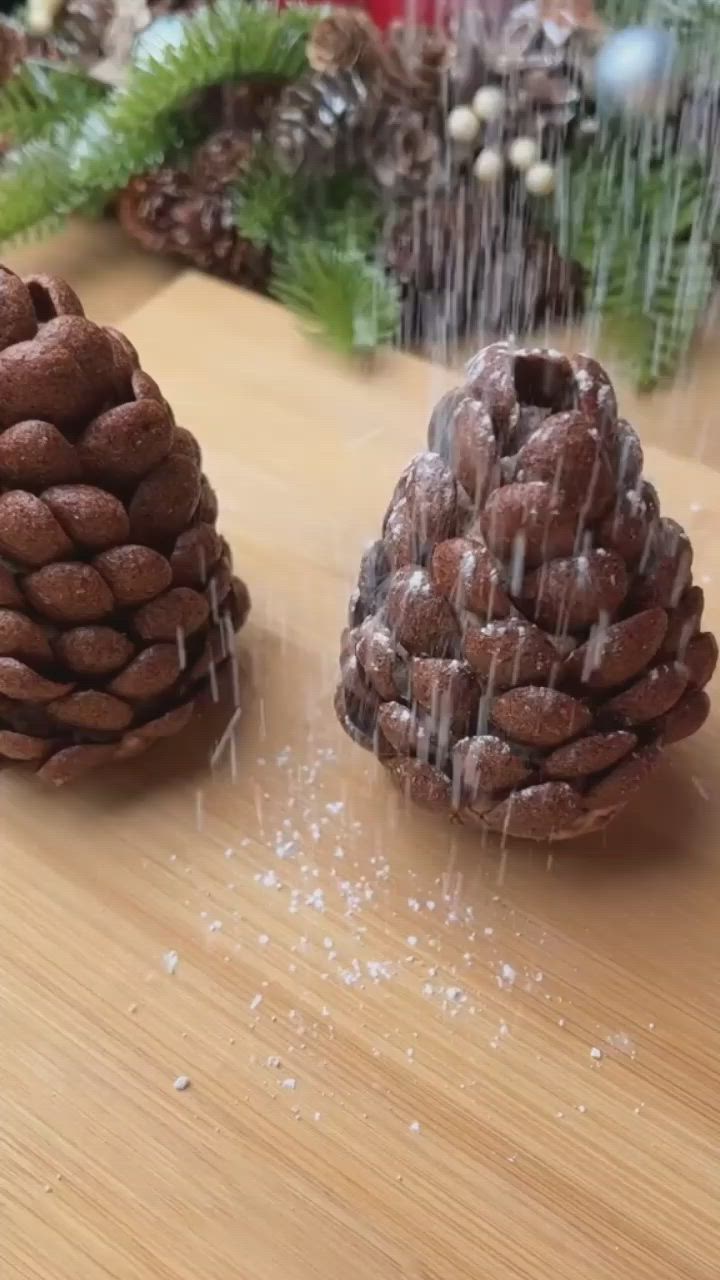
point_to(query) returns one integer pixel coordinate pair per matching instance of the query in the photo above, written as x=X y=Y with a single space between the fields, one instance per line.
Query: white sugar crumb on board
x=215 y=926
x=171 y=961
x=622 y=1042
x=181 y=1083
x=335 y=807
x=701 y=790
x=256 y=1001
x=415 y=1126
x=263 y=939
x=273 y=1061
x=289 y=1083
x=411 y=940
x=596 y=1054
x=507 y=975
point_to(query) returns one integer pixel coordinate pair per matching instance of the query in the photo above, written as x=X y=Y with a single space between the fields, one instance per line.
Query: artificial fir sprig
x=340 y=296
x=224 y=42
x=275 y=208
x=641 y=222
x=40 y=95
x=137 y=127
x=322 y=233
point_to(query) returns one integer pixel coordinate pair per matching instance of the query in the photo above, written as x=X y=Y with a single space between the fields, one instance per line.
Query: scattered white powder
x=415 y=1126
x=269 y=880
x=181 y=1083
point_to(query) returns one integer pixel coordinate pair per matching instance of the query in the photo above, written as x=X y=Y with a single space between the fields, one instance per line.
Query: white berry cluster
x=523 y=153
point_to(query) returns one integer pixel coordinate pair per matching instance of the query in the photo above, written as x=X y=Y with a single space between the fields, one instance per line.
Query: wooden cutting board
x=410 y=1058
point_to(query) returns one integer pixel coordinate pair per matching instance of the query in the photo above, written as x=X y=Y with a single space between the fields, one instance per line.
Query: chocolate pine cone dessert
x=117 y=599
x=525 y=637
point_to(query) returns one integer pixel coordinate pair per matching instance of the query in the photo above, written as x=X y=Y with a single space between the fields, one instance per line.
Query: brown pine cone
x=81 y=28
x=166 y=212
x=402 y=153
x=417 y=65
x=320 y=122
x=525 y=638
x=117 y=599
x=346 y=40
x=12 y=50
x=248 y=105
x=462 y=264
x=222 y=159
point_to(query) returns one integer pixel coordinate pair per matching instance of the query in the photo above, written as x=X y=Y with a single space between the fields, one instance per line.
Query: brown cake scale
x=525 y=637
x=116 y=591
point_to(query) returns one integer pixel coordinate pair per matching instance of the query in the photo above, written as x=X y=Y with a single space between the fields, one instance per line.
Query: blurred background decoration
x=425 y=180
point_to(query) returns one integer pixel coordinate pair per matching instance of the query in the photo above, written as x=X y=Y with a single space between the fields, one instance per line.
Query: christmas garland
x=411 y=184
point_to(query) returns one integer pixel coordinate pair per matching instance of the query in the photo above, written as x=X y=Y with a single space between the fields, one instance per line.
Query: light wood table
x=389 y=1043
x=112 y=276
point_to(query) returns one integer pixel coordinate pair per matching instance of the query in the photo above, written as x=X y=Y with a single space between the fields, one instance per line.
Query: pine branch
x=41 y=95
x=272 y=207
x=137 y=127
x=642 y=227
x=340 y=297
x=267 y=204
x=654 y=327
x=228 y=41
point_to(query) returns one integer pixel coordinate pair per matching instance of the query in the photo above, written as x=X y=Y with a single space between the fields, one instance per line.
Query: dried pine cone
x=222 y=159
x=462 y=264
x=417 y=64
x=81 y=28
x=168 y=212
x=345 y=40
x=402 y=155
x=117 y=598
x=12 y=50
x=525 y=636
x=319 y=122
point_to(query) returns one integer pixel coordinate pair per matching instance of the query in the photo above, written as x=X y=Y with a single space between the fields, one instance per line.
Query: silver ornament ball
x=635 y=71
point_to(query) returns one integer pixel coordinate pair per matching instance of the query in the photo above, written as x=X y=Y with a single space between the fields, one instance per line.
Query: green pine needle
x=340 y=297
x=275 y=208
x=41 y=95
x=75 y=162
x=267 y=204
x=641 y=225
x=227 y=41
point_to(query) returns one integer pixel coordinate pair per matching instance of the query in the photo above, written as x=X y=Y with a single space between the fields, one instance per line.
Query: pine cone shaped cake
x=117 y=599
x=525 y=637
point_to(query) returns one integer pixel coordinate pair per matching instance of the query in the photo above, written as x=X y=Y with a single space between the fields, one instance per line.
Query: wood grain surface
x=388 y=1026
x=112 y=275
